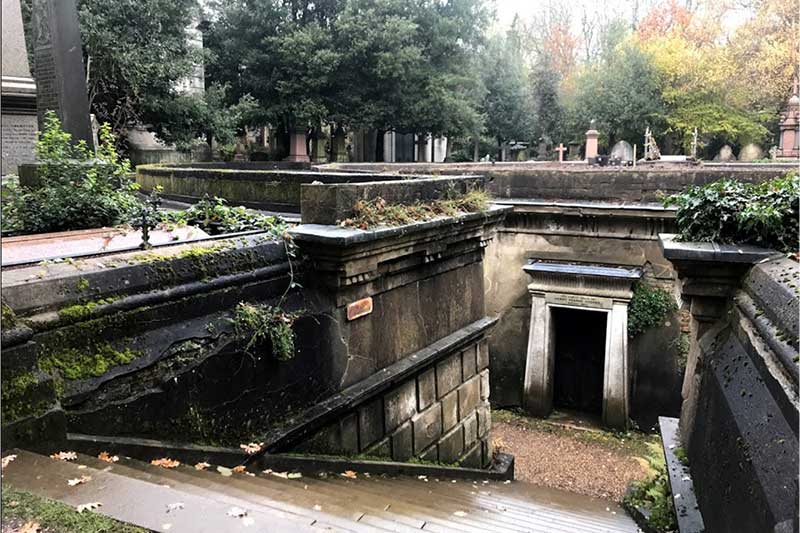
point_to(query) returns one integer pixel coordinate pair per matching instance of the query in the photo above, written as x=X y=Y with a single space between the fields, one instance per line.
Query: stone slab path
x=146 y=495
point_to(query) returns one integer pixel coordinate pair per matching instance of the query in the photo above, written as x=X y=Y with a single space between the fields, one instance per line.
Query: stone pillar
x=537 y=395
x=616 y=368
x=60 y=78
x=339 y=146
x=789 y=139
x=591 y=143
x=297 y=146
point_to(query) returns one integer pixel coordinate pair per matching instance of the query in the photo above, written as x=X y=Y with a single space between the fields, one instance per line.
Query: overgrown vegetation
x=20 y=506
x=377 y=212
x=734 y=212
x=648 y=307
x=214 y=216
x=85 y=362
x=77 y=189
x=654 y=494
x=258 y=323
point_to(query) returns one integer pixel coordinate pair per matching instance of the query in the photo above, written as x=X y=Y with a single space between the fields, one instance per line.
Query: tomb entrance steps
x=139 y=493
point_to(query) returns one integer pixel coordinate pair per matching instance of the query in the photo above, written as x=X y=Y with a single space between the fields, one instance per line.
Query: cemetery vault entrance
x=580 y=349
x=578 y=340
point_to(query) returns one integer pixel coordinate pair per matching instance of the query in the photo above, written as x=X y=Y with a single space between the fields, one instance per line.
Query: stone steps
x=138 y=492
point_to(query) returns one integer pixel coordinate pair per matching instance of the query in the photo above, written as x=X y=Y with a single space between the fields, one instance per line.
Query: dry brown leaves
x=105 y=456
x=79 y=480
x=201 y=466
x=29 y=527
x=165 y=462
x=349 y=473
x=252 y=448
x=239 y=469
x=7 y=460
x=65 y=456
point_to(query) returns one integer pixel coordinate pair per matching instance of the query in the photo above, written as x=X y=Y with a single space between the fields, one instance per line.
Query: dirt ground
x=569 y=453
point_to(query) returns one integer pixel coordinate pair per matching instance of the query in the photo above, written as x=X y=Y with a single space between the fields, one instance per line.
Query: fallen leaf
x=295 y=475
x=201 y=466
x=284 y=475
x=13 y=503
x=7 y=459
x=350 y=474
x=30 y=527
x=317 y=507
x=237 y=512
x=224 y=471
x=65 y=456
x=460 y=513
x=422 y=477
x=174 y=506
x=88 y=506
x=165 y=462
x=79 y=480
x=247 y=521
x=239 y=469
x=252 y=448
x=81 y=467
x=105 y=456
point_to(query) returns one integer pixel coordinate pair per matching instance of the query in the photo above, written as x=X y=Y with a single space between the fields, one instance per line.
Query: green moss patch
x=78 y=312
x=19 y=398
x=94 y=361
x=8 y=316
x=21 y=507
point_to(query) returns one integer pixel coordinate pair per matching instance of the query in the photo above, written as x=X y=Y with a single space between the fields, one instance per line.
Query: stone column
x=537 y=394
x=297 y=146
x=591 y=143
x=616 y=368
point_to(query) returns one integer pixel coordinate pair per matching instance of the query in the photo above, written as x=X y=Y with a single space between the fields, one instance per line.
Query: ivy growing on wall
x=648 y=307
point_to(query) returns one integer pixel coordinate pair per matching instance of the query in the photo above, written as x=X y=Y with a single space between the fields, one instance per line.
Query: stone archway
x=591 y=288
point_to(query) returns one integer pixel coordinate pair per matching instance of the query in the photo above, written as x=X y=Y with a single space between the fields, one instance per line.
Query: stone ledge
x=690 y=520
x=675 y=250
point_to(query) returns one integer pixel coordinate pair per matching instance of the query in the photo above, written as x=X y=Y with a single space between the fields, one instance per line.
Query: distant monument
x=58 y=61
x=789 y=140
x=591 y=142
x=17 y=93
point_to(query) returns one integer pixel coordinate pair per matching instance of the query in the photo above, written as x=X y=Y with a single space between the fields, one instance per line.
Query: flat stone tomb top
x=584 y=270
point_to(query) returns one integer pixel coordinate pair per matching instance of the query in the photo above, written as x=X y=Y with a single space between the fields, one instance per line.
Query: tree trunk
x=476 y=150
x=447 y=147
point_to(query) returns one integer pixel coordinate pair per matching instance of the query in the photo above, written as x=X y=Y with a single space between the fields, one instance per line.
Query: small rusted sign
x=359 y=308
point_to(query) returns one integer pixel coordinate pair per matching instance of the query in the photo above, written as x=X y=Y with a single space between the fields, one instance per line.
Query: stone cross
x=60 y=76
x=560 y=149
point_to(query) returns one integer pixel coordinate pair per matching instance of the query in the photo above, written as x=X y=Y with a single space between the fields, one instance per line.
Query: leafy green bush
x=655 y=494
x=77 y=188
x=255 y=324
x=733 y=212
x=647 y=308
x=215 y=217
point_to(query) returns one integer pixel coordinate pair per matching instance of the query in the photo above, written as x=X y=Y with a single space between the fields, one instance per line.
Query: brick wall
x=441 y=414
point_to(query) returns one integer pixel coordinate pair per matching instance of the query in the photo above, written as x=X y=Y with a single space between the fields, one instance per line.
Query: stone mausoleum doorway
x=580 y=349
x=578 y=339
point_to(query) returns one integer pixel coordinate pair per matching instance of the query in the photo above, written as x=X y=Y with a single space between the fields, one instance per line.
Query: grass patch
x=654 y=493
x=23 y=506
x=377 y=212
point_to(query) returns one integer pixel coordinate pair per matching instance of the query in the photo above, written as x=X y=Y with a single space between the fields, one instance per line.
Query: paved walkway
x=148 y=496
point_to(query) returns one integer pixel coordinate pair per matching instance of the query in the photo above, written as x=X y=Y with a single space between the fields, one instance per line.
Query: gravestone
x=60 y=76
x=622 y=151
x=17 y=93
x=725 y=154
x=751 y=152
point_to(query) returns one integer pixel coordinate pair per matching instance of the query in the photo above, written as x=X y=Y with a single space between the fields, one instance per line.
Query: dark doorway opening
x=579 y=347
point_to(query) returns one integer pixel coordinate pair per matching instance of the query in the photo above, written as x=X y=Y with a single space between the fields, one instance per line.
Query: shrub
x=732 y=212
x=214 y=216
x=655 y=494
x=647 y=308
x=77 y=188
x=255 y=324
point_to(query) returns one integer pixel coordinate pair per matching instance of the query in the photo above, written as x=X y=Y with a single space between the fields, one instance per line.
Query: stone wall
x=739 y=419
x=440 y=414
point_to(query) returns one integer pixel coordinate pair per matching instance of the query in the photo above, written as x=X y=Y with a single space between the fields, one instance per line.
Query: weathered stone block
x=487 y=451
x=468 y=396
x=483 y=355
x=426 y=389
x=431 y=454
x=348 y=434
x=469 y=363
x=474 y=457
x=484 y=420
x=450 y=411
x=485 y=389
x=470 y=429
x=452 y=445
x=370 y=423
x=402 y=443
x=400 y=405
x=381 y=448
x=448 y=374
x=427 y=428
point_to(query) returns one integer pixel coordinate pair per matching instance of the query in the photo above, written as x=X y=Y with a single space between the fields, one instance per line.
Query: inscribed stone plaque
x=578 y=300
